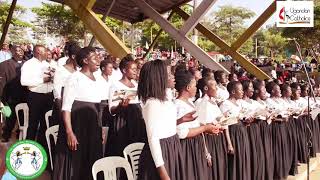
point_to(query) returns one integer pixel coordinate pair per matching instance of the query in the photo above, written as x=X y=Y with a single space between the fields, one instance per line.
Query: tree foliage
x=18 y=12
x=59 y=19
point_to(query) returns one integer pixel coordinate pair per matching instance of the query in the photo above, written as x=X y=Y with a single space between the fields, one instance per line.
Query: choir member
x=210 y=113
x=194 y=149
x=60 y=78
x=222 y=81
x=127 y=125
x=38 y=78
x=253 y=128
x=260 y=95
x=279 y=131
x=161 y=157
x=79 y=142
x=239 y=162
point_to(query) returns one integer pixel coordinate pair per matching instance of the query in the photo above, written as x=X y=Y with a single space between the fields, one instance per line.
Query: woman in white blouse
x=222 y=81
x=209 y=113
x=260 y=95
x=279 y=131
x=61 y=76
x=161 y=157
x=238 y=163
x=194 y=149
x=79 y=142
x=127 y=125
x=254 y=131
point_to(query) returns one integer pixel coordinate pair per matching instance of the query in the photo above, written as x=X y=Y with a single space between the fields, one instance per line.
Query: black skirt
x=314 y=126
x=301 y=130
x=239 y=163
x=292 y=158
x=75 y=165
x=172 y=157
x=217 y=146
x=194 y=156
x=266 y=137
x=256 y=151
x=125 y=128
x=280 y=148
x=317 y=135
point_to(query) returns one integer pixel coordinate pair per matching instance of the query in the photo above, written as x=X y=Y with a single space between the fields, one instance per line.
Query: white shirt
x=233 y=109
x=79 y=87
x=222 y=93
x=160 y=120
x=170 y=94
x=60 y=78
x=32 y=74
x=105 y=86
x=5 y=55
x=277 y=104
x=208 y=111
x=62 y=61
x=184 y=108
x=116 y=74
x=118 y=86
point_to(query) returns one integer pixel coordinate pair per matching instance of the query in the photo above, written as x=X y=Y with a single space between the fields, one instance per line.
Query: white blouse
x=208 y=111
x=170 y=94
x=81 y=88
x=160 y=119
x=104 y=86
x=184 y=108
x=222 y=93
x=277 y=104
x=232 y=109
x=60 y=78
x=118 y=86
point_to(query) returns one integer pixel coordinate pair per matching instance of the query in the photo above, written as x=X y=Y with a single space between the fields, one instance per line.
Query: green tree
x=18 y=12
x=274 y=44
x=59 y=19
x=229 y=23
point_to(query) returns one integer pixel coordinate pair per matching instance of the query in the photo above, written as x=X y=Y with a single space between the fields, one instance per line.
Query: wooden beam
x=103 y=34
x=7 y=23
x=88 y=3
x=199 y=12
x=255 y=26
x=250 y=67
x=197 y=52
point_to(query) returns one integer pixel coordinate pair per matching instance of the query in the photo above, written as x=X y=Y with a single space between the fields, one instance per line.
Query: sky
x=257 y=6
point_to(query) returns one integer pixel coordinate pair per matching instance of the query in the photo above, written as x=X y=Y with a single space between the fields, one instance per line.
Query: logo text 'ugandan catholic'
x=295 y=13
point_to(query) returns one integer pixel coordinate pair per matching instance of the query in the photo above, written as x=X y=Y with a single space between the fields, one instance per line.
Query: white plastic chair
x=47 y=117
x=22 y=127
x=109 y=165
x=53 y=130
x=133 y=151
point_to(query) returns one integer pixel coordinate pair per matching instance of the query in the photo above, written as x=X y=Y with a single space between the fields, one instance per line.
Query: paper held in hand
x=124 y=94
x=227 y=121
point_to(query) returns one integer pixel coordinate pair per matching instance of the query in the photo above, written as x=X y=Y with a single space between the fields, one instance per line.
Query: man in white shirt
x=5 y=53
x=116 y=73
x=37 y=77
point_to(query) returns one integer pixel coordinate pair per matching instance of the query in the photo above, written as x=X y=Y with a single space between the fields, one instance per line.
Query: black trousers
x=10 y=122
x=38 y=104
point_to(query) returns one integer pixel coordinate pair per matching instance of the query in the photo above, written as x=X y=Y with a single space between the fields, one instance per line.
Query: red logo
x=282 y=14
